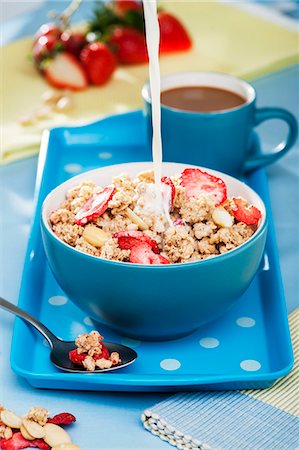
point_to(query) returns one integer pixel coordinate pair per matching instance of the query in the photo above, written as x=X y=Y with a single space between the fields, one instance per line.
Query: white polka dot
x=88 y=321
x=57 y=300
x=170 y=364
x=130 y=342
x=73 y=168
x=245 y=322
x=105 y=155
x=209 y=342
x=250 y=365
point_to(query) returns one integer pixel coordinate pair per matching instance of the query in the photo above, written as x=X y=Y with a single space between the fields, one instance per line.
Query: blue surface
x=113 y=418
x=220 y=367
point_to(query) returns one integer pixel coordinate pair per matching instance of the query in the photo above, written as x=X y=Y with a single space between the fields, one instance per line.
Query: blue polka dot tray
x=249 y=347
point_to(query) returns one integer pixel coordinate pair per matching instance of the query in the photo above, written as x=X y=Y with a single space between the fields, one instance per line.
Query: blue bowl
x=152 y=302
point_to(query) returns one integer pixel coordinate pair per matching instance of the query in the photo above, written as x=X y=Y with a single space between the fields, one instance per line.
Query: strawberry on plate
x=129 y=45
x=99 y=62
x=48 y=29
x=123 y=6
x=197 y=183
x=63 y=418
x=245 y=213
x=128 y=239
x=65 y=72
x=173 y=35
x=143 y=254
x=95 y=206
x=45 y=47
x=73 y=42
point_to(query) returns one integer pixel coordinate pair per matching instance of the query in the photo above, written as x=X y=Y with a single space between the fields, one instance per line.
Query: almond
x=55 y=435
x=10 y=419
x=25 y=434
x=222 y=218
x=33 y=428
x=7 y=433
x=136 y=219
x=66 y=447
x=65 y=104
x=95 y=236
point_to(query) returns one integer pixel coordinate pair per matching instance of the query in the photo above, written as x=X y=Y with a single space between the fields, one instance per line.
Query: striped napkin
x=264 y=419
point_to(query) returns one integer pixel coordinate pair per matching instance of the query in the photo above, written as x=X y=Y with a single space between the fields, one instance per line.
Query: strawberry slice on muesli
x=243 y=212
x=170 y=190
x=197 y=183
x=95 y=206
x=128 y=239
x=142 y=253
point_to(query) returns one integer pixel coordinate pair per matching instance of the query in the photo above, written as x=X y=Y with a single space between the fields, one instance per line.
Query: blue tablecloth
x=111 y=420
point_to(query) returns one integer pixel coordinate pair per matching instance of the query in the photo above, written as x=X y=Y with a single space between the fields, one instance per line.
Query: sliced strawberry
x=168 y=182
x=173 y=35
x=129 y=45
x=95 y=206
x=105 y=353
x=77 y=358
x=197 y=183
x=128 y=239
x=245 y=213
x=62 y=419
x=142 y=253
x=99 y=62
x=17 y=442
x=64 y=71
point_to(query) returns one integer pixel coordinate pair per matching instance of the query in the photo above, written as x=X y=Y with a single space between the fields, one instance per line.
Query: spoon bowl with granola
x=154 y=270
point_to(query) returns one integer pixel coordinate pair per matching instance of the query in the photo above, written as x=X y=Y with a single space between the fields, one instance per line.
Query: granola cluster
x=92 y=354
x=196 y=226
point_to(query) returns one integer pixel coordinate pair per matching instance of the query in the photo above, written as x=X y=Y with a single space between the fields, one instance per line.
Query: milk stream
x=152 y=32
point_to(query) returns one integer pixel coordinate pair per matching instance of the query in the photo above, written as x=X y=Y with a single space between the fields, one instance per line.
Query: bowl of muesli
x=154 y=261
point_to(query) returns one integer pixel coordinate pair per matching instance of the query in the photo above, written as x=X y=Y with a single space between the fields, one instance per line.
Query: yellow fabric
x=284 y=394
x=226 y=39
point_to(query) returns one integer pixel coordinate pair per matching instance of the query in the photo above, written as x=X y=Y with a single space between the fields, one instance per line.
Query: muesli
x=120 y=222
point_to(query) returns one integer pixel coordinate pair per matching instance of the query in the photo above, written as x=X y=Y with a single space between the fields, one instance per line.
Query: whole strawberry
x=129 y=45
x=99 y=62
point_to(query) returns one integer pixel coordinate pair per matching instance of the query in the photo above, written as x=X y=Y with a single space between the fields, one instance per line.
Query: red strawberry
x=245 y=213
x=128 y=239
x=129 y=44
x=95 y=206
x=73 y=42
x=62 y=419
x=77 y=358
x=45 y=47
x=142 y=254
x=48 y=29
x=99 y=62
x=197 y=183
x=173 y=35
x=168 y=182
x=105 y=353
x=179 y=223
x=17 y=442
x=64 y=71
x=122 y=6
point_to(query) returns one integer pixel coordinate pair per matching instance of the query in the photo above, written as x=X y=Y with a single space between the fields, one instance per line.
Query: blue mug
x=221 y=140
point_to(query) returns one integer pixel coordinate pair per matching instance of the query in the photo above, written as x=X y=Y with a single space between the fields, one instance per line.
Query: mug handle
x=263 y=159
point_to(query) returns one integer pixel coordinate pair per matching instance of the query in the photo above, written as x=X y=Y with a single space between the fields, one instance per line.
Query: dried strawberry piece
x=245 y=213
x=105 y=353
x=142 y=254
x=77 y=358
x=95 y=206
x=197 y=183
x=62 y=419
x=128 y=239
x=179 y=222
x=17 y=442
x=168 y=182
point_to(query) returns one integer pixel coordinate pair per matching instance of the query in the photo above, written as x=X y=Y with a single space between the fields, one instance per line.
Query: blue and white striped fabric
x=244 y=420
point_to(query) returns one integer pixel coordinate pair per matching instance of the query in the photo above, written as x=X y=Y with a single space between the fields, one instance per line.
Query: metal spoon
x=60 y=349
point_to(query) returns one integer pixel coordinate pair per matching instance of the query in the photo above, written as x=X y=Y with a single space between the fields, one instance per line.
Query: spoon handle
x=51 y=338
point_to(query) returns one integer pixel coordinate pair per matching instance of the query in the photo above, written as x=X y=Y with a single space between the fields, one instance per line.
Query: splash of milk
x=152 y=32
